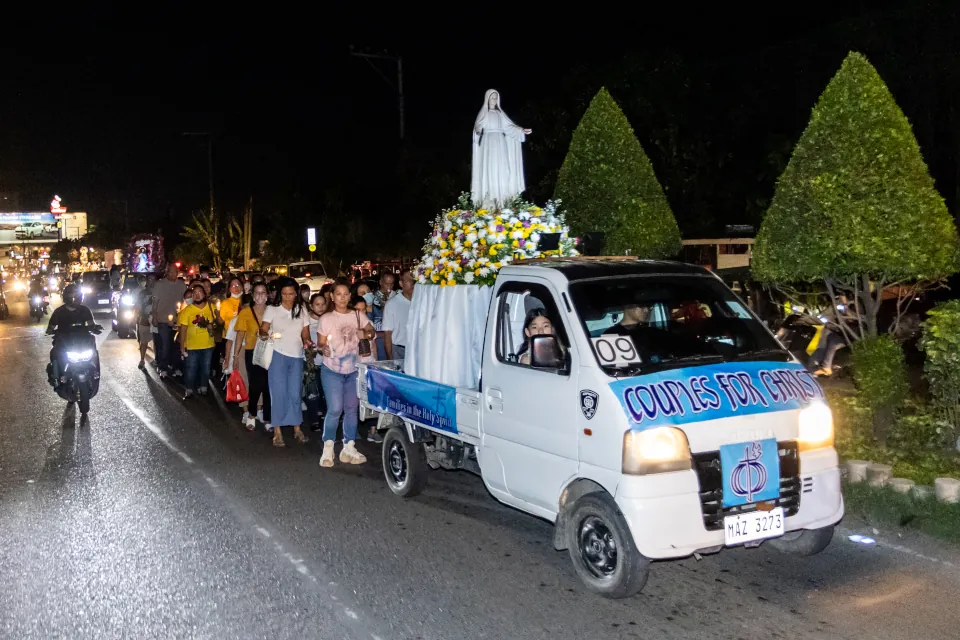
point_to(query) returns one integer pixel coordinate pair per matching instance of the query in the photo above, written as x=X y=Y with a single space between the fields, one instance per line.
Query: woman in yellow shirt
x=196 y=342
x=247 y=327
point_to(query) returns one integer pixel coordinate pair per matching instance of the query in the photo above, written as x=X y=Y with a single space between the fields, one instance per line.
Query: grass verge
x=903 y=512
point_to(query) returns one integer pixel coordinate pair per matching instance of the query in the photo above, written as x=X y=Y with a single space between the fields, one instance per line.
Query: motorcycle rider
x=37 y=288
x=70 y=317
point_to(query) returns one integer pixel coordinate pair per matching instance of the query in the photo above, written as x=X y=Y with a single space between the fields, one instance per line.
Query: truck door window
x=518 y=304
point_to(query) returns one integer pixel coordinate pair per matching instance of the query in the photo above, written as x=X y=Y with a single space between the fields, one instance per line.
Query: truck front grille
x=707 y=466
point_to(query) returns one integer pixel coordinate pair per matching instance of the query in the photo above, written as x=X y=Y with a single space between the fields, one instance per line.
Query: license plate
x=103 y=302
x=753 y=526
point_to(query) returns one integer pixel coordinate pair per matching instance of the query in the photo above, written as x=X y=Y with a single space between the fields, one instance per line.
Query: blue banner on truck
x=422 y=401
x=695 y=394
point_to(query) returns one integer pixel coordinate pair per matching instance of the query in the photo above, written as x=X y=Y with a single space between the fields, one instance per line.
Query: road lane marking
x=344 y=612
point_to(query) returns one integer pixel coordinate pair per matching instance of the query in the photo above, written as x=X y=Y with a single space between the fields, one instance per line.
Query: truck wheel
x=404 y=463
x=602 y=549
x=808 y=542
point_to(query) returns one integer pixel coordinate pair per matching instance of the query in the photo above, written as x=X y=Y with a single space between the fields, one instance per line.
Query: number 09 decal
x=616 y=351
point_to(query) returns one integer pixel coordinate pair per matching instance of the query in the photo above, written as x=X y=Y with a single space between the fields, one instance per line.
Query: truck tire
x=808 y=542
x=404 y=463
x=602 y=548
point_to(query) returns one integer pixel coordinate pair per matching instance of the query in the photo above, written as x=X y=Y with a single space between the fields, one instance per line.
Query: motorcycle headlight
x=126 y=299
x=19 y=286
x=86 y=290
x=815 y=427
x=53 y=282
x=79 y=356
x=656 y=450
x=37 y=299
x=128 y=315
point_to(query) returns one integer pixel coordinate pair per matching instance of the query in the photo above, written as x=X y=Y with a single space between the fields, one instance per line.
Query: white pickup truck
x=659 y=419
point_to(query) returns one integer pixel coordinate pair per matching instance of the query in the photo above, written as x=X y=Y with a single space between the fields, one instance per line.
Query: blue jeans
x=285 y=377
x=340 y=391
x=197 y=369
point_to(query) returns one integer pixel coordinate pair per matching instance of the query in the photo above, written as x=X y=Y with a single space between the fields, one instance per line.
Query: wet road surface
x=162 y=519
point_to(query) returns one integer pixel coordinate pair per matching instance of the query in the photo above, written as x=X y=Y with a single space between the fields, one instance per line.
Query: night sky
x=95 y=103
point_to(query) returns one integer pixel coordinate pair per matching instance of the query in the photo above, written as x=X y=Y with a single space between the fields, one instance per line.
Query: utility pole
x=399 y=85
x=247 y=234
x=209 y=159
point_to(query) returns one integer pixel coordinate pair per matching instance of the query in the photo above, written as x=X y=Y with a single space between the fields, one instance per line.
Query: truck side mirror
x=545 y=353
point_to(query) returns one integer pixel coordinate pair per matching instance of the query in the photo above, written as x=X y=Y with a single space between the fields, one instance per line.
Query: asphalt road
x=159 y=519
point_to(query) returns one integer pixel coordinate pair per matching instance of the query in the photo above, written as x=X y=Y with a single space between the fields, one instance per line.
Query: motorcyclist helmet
x=71 y=295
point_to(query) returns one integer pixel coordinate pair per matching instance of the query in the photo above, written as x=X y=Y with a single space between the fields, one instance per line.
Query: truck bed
x=450 y=411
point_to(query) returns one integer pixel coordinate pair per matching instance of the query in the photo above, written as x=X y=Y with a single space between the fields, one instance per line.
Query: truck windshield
x=639 y=324
x=307 y=270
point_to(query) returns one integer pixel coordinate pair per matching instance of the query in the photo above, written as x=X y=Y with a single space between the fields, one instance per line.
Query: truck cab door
x=529 y=448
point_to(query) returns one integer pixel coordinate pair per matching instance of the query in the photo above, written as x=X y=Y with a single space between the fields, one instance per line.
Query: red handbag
x=236 y=390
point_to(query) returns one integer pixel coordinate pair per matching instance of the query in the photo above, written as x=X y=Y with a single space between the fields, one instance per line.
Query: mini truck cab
x=658 y=418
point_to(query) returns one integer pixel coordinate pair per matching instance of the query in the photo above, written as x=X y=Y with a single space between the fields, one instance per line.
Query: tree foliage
x=607 y=184
x=856 y=206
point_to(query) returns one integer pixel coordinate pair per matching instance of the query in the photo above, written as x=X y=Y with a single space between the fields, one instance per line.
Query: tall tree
x=205 y=232
x=856 y=207
x=607 y=184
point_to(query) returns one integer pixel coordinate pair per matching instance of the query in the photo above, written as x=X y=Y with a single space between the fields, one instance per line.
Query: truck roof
x=583 y=268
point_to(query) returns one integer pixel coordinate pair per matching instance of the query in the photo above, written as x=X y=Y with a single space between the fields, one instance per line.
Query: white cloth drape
x=497 y=172
x=445 y=332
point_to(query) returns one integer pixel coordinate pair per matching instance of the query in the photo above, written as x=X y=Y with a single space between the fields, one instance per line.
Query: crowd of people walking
x=295 y=351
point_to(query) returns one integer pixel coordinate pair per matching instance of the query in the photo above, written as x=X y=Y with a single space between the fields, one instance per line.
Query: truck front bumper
x=665 y=513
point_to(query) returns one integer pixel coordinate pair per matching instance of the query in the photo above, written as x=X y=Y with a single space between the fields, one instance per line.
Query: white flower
x=422 y=279
x=472 y=237
x=457 y=246
x=535 y=237
x=447 y=225
x=516 y=235
x=468 y=277
x=435 y=252
x=535 y=221
x=502 y=237
x=506 y=212
x=513 y=220
x=484 y=272
x=483 y=260
x=506 y=259
x=482 y=232
x=450 y=276
x=524 y=215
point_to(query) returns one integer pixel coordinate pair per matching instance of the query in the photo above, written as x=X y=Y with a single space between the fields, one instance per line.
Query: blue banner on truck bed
x=422 y=401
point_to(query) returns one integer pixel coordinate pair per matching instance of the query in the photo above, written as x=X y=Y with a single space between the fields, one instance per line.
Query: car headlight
x=19 y=286
x=86 y=290
x=126 y=299
x=128 y=315
x=656 y=450
x=79 y=356
x=815 y=427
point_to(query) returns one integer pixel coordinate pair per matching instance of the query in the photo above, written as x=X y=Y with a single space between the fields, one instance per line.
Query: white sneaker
x=350 y=455
x=251 y=423
x=245 y=417
x=260 y=415
x=326 y=460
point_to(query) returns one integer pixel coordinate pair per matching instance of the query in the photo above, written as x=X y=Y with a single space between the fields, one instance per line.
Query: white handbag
x=263 y=353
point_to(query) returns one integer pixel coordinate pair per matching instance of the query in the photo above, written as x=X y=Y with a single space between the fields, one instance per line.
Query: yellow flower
x=443 y=244
x=476 y=272
x=495 y=265
x=483 y=241
x=516 y=243
x=443 y=283
x=493 y=250
x=434 y=278
x=467 y=243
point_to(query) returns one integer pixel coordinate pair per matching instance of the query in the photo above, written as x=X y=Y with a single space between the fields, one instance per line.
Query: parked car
x=309 y=273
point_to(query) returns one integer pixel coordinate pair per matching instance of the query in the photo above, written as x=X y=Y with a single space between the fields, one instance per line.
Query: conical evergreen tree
x=607 y=184
x=856 y=200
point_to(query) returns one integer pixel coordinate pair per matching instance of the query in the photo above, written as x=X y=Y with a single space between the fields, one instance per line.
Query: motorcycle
x=125 y=314
x=39 y=302
x=77 y=378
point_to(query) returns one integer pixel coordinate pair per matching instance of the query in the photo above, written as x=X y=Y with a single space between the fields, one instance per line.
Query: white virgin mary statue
x=497 y=158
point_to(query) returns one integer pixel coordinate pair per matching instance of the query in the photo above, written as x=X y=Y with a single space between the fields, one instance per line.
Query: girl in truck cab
x=537 y=323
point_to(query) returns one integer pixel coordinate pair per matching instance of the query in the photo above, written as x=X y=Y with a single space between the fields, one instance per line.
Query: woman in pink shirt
x=341 y=330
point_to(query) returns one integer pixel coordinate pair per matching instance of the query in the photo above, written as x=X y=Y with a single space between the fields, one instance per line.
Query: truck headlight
x=656 y=450
x=86 y=290
x=80 y=356
x=815 y=427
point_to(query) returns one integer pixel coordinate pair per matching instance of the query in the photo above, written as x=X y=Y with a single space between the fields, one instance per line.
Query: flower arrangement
x=470 y=246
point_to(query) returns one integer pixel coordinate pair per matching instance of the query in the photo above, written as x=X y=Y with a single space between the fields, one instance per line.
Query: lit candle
x=218 y=305
x=170 y=318
x=277 y=335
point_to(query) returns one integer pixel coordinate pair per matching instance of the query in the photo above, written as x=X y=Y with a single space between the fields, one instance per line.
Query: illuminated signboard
x=28 y=228
x=56 y=205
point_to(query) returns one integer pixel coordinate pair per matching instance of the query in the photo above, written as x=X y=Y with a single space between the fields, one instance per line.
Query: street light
x=209 y=159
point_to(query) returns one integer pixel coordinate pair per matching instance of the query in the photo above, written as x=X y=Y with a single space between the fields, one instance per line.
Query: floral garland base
x=470 y=246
